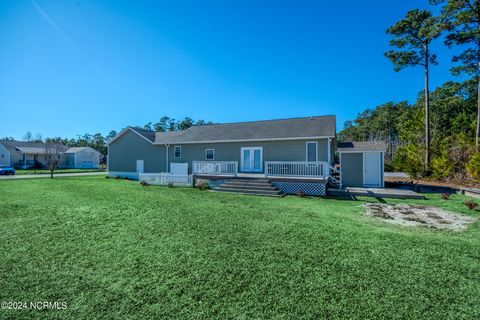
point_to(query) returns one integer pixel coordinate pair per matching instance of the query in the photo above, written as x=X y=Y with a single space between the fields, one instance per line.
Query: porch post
x=25 y=161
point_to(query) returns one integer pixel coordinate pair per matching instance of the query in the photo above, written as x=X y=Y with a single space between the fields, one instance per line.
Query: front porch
x=28 y=162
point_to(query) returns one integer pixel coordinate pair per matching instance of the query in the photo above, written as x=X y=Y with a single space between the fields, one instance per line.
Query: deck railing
x=297 y=169
x=215 y=167
x=165 y=178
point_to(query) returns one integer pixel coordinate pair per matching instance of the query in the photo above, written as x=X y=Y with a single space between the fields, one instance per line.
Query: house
x=82 y=158
x=24 y=155
x=292 y=155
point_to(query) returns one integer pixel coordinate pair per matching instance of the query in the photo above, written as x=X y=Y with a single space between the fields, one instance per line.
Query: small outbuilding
x=82 y=158
x=362 y=163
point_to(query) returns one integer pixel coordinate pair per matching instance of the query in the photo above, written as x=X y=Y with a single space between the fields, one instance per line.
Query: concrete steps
x=260 y=187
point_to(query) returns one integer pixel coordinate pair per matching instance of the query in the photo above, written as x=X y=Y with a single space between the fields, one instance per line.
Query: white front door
x=371 y=169
x=251 y=159
x=139 y=166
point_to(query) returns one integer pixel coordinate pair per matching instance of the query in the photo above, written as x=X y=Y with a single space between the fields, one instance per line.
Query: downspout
x=166 y=162
x=329 y=151
x=329 y=154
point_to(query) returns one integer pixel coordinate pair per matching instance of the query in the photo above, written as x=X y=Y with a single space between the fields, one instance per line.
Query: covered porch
x=30 y=157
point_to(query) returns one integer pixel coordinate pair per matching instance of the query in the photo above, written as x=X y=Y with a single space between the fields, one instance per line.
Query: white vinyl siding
x=4 y=156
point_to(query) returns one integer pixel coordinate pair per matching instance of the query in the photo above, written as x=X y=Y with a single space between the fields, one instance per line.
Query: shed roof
x=358 y=146
x=78 y=149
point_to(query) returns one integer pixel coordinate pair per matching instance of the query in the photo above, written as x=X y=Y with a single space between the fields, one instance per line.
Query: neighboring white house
x=82 y=158
x=21 y=154
x=4 y=156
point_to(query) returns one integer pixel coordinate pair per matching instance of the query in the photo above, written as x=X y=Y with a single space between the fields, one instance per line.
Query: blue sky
x=72 y=67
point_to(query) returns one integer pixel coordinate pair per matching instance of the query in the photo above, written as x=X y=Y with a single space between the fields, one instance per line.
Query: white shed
x=82 y=158
x=362 y=164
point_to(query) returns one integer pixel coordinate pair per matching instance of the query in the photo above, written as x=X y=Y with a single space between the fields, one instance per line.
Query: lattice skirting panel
x=217 y=182
x=309 y=188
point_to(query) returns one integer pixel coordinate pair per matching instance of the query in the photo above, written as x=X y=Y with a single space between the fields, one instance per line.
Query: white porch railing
x=215 y=167
x=165 y=178
x=297 y=169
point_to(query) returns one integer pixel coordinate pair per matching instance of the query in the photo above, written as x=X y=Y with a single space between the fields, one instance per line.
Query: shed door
x=139 y=166
x=179 y=169
x=371 y=169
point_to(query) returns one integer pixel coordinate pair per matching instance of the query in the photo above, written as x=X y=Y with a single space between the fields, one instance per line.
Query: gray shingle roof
x=148 y=134
x=307 y=127
x=27 y=147
x=13 y=145
x=24 y=147
x=361 y=146
x=77 y=149
x=30 y=150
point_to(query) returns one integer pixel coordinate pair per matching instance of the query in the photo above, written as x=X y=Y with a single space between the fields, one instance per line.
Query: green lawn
x=58 y=171
x=113 y=249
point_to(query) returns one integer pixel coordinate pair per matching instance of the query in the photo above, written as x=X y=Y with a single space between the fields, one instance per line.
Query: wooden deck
x=376 y=193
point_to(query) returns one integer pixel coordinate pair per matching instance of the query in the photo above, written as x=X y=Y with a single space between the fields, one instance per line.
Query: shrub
x=170 y=185
x=470 y=204
x=144 y=183
x=442 y=167
x=301 y=194
x=203 y=185
x=445 y=196
x=410 y=160
x=473 y=166
x=389 y=166
x=118 y=177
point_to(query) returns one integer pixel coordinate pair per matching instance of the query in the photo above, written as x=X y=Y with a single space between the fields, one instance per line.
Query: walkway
x=57 y=175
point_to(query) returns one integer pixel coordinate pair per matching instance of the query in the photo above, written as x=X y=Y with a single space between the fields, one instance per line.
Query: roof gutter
x=245 y=140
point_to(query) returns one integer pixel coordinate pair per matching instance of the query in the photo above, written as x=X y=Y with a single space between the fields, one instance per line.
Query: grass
x=58 y=171
x=114 y=249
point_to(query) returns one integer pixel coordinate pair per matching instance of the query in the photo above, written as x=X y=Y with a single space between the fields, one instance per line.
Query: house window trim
x=175 y=152
x=316 y=150
x=206 y=154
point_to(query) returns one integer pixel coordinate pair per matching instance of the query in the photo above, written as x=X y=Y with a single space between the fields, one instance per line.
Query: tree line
x=438 y=135
x=99 y=142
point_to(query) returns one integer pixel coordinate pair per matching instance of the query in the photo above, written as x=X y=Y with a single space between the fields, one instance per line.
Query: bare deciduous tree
x=54 y=154
x=28 y=136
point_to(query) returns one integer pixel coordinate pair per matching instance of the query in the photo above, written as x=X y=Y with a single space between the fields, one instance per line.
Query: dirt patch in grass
x=418 y=215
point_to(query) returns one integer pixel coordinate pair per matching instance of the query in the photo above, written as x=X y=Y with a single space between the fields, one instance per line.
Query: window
x=177 y=152
x=312 y=151
x=209 y=154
